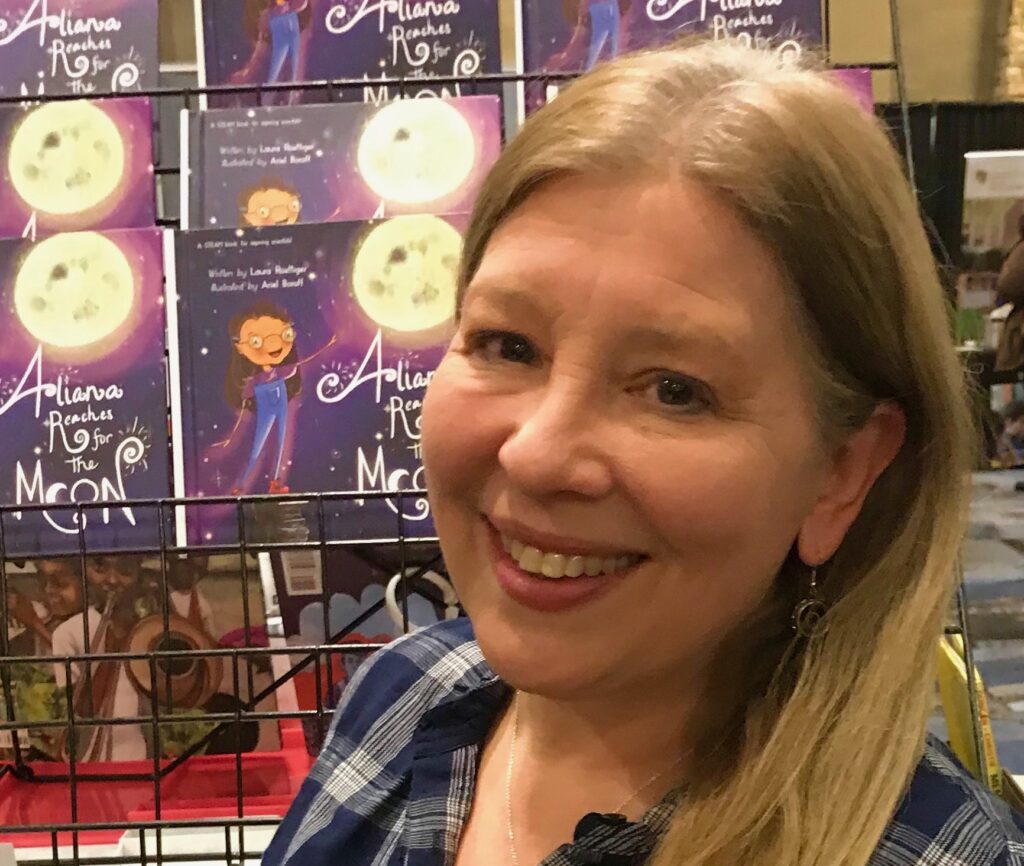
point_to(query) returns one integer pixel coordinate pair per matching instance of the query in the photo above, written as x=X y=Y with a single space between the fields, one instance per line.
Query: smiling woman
x=697 y=458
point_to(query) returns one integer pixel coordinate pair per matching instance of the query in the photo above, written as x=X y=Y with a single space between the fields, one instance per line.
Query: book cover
x=338 y=162
x=860 y=83
x=68 y=166
x=253 y=42
x=124 y=599
x=351 y=595
x=304 y=352
x=575 y=35
x=82 y=388
x=77 y=46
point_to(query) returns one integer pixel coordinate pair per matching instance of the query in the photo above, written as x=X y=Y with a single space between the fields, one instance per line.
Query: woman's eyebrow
x=508 y=299
x=685 y=340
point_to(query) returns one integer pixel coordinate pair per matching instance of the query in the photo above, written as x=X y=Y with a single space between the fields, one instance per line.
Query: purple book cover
x=68 y=166
x=860 y=83
x=339 y=162
x=278 y=41
x=77 y=46
x=574 y=35
x=304 y=353
x=82 y=387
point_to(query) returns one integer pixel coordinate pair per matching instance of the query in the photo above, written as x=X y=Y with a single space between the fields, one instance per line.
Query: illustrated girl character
x=603 y=19
x=263 y=377
x=279 y=25
x=271 y=202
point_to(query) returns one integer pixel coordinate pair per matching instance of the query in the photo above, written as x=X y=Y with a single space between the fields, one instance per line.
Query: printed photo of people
x=74 y=607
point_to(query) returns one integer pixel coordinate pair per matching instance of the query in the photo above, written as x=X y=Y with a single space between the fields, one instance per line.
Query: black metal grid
x=69 y=840
x=69 y=837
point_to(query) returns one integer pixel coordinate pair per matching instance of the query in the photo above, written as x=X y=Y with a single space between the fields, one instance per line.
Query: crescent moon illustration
x=66 y=157
x=415 y=151
x=73 y=290
x=405 y=273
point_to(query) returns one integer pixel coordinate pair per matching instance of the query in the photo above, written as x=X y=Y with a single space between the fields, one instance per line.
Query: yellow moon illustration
x=404 y=273
x=66 y=157
x=73 y=290
x=416 y=150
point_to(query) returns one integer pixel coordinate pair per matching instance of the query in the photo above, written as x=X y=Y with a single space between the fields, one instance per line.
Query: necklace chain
x=510 y=772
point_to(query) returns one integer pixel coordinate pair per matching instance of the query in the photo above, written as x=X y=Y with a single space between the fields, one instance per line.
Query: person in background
x=1010 y=447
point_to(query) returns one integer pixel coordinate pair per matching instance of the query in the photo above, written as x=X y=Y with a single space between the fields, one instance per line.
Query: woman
x=702 y=391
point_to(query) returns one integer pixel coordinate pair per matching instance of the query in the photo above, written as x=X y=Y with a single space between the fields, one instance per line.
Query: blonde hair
x=826 y=752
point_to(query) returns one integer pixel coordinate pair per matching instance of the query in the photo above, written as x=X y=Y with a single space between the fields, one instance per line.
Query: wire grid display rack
x=236 y=820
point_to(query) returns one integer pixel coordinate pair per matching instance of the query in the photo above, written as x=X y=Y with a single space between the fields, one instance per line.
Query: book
x=351 y=596
x=575 y=35
x=860 y=83
x=74 y=165
x=253 y=42
x=338 y=162
x=82 y=389
x=77 y=46
x=302 y=355
x=124 y=599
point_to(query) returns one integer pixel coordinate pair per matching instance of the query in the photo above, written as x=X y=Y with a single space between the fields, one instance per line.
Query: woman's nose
x=554 y=447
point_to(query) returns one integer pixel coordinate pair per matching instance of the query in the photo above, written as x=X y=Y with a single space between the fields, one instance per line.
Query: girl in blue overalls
x=279 y=24
x=263 y=377
x=603 y=18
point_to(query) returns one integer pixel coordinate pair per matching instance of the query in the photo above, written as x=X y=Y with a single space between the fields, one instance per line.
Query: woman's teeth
x=557 y=565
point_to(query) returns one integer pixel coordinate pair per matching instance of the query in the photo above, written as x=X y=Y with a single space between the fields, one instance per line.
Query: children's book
x=575 y=35
x=82 y=389
x=860 y=82
x=77 y=46
x=75 y=165
x=64 y=609
x=283 y=165
x=354 y=596
x=303 y=354
x=259 y=42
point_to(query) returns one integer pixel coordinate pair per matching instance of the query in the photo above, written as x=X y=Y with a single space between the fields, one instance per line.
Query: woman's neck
x=626 y=738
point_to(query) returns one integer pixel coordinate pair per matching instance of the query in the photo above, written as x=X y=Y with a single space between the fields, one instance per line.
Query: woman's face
x=627 y=395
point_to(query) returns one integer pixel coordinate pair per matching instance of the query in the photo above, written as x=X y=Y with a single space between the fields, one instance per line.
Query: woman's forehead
x=657 y=254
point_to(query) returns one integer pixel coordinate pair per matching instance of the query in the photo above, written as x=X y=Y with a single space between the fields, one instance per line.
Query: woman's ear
x=856 y=465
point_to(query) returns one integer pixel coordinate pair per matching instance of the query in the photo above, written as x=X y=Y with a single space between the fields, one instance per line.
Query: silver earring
x=810 y=610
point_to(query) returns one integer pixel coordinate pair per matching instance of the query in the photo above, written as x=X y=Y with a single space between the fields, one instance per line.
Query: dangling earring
x=810 y=610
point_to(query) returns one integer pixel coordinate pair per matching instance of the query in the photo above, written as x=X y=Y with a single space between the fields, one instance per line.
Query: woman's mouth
x=558 y=565
x=558 y=577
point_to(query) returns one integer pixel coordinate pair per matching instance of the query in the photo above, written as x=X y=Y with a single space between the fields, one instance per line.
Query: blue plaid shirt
x=394 y=783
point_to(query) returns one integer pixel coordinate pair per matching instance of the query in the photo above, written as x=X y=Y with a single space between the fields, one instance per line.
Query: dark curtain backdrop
x=941 y=133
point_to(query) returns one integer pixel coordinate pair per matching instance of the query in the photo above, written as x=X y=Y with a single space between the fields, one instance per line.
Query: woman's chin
x=538 y=664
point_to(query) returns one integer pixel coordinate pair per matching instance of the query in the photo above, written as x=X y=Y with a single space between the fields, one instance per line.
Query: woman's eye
x=288 y=335
x=502 y=346
x=680 y=392
x=256 y=342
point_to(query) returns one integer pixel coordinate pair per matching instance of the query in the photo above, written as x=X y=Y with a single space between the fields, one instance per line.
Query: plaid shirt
x=394 y=783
